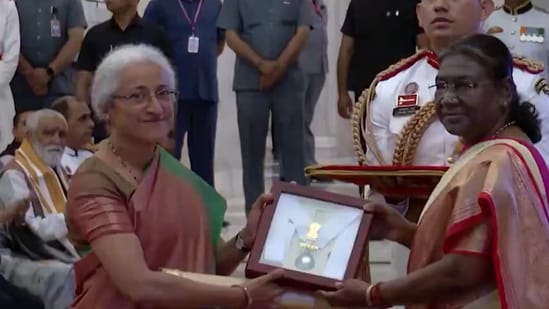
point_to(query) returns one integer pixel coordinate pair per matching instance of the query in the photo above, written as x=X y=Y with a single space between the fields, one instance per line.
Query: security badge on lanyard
x=193 y=43
x=55 y=24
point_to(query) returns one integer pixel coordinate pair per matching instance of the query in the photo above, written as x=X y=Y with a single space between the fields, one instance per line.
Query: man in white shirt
x=79 y=133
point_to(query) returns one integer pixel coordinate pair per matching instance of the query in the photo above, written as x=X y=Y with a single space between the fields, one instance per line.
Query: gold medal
x=306 y=260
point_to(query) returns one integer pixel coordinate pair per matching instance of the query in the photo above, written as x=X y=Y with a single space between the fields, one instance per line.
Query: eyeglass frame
x=148 y=96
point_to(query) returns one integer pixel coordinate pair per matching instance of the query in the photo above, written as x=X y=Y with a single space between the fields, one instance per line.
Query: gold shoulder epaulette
x=361 y=140
x=527 y=64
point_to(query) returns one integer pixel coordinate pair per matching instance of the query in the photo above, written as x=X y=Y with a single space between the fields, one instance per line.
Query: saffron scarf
x=48 y=187
x=505 y=183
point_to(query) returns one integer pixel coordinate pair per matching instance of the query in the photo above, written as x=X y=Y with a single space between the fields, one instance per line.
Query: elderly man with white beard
x=35 y=173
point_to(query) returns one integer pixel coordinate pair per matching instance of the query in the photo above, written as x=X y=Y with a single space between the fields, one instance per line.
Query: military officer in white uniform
x=523 y=27
x=401 y=94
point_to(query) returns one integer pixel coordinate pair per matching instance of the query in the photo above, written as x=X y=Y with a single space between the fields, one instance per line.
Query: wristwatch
x=50 y=72
x=239 y=244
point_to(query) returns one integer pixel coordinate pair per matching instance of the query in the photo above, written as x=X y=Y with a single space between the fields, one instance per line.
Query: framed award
x=317 y=237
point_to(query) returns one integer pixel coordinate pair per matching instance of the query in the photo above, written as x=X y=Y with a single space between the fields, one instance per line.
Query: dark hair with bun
x=497 y=61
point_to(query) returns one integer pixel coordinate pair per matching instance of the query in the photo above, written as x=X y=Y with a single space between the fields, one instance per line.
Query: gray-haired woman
x=139 y=210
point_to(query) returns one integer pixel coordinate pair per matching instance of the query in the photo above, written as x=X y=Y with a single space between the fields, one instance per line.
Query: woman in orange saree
x=134 y=210
x=482 y=240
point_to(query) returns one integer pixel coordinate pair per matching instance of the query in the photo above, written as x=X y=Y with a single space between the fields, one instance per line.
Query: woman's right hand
x=388 y=223
x=263 y=292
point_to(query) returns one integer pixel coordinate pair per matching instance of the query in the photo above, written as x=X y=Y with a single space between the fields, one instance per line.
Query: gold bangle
x=369 y=295
x=249 y=299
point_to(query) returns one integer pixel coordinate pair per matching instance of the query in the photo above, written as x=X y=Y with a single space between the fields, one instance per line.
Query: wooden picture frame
x=280 y=234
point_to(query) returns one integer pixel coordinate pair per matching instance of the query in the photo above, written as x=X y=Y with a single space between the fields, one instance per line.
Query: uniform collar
x=521 y=9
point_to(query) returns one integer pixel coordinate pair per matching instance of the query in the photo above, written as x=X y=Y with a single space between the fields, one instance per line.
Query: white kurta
x=9 y=57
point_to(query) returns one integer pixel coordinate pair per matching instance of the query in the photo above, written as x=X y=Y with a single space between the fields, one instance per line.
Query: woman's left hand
x=249 y=232
x=351 y=293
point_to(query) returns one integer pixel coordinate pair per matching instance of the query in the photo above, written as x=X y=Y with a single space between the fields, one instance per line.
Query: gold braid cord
x=361 y=124
x=527 y=64
x=360 y=120
x=411 y=134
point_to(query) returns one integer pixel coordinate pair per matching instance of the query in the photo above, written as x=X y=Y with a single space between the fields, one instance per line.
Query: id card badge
x=55 y=27
x=193 y=45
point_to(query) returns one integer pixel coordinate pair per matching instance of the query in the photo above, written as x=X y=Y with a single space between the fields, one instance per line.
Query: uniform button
x=450 y=160
x=513 y=32
x=515 y=19
x=388 y=13
x=38 y=37
x=39 y=10
x=397 y=13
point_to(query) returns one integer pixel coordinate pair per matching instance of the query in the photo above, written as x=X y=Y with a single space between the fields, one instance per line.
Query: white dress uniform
x=9 y=57
x=436 y=145
x=524 y=29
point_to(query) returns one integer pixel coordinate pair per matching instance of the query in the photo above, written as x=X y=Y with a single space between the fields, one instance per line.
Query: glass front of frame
x=311 y=236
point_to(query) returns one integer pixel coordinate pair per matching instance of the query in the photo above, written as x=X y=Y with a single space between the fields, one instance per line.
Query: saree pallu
x=175 y=214
x=491 y=203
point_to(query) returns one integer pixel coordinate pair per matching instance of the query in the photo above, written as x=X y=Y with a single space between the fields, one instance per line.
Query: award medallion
x=306 y=260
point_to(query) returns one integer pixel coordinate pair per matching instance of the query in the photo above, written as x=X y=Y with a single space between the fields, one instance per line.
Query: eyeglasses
x=462 y=87
x=142 y=96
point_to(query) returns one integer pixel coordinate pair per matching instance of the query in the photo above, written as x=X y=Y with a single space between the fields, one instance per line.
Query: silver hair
x=34 y=118
x=107 y=76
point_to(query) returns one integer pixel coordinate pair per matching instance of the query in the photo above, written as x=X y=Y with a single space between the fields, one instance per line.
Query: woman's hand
x=388 y=223
x=263 y=293
x=351 y=293
x=249 y=232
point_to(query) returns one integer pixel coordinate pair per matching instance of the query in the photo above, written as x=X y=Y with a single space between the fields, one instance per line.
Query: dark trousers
x=285 y=103
x=198 y=119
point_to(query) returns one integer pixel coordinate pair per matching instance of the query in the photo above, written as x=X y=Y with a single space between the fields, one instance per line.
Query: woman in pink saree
x=482 y=240
x=133 y=210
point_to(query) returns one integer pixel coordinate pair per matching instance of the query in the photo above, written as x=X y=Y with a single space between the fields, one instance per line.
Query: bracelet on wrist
x=247 y=295
x=376 y=298
x=369 y=295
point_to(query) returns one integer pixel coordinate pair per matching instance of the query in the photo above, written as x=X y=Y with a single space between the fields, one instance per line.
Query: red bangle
x=377 y=300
